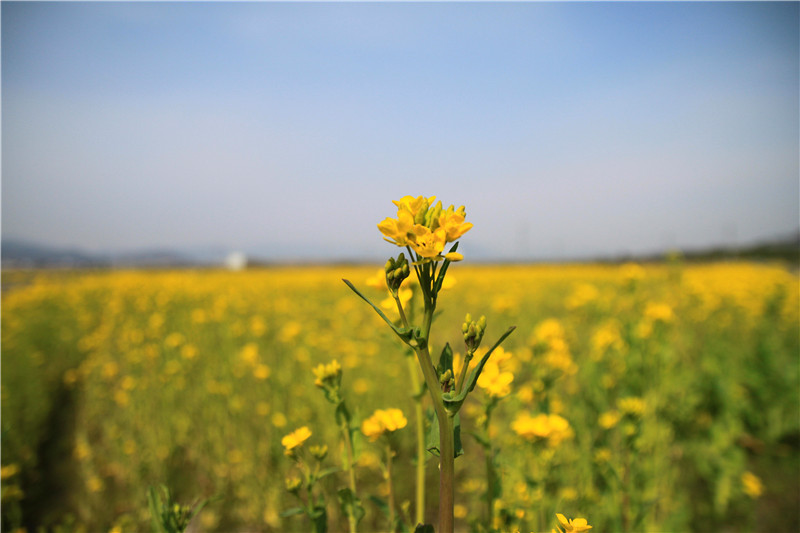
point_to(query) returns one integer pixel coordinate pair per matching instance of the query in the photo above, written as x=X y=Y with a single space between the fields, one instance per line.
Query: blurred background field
x=679 y=382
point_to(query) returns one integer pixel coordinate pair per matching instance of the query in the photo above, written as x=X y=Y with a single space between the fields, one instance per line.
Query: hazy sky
x=567 y=129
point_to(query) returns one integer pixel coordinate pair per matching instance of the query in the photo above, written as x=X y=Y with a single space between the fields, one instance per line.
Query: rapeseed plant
x=424 y=229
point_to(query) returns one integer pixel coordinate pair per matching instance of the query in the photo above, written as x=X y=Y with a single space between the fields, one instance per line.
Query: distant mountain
x=17 y=253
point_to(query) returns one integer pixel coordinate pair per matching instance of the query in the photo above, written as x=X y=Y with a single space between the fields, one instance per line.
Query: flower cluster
x=425 y=228
x=383 y=421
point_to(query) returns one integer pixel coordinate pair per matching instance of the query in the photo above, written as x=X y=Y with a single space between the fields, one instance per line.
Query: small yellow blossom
x=752 y=485
x=261 y=371
x=8 y=471
x=383 y=421
x=327 y=374
x=249 y=353
x=542 y=426
x=296 y=438
x=631 y=405
x=496 y=382
x=609 y=419
x=659 y=312
x=577 y=525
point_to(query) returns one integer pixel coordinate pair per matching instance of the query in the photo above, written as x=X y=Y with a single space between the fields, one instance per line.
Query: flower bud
x=397 y=270
x=293 y=484
x=473 y=332
x=319 y=452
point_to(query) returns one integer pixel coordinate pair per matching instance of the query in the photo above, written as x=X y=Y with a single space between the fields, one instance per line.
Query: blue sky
x=567 y=129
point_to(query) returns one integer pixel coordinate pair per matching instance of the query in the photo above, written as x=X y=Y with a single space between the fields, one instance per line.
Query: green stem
x=463 y=374
x=389 y=454
x=415 y=385
x=419 y=516
x=446 y=444
x=348 y=442
x=490 y=474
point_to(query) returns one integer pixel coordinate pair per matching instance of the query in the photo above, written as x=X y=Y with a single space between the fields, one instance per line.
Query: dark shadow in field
x=50 y=489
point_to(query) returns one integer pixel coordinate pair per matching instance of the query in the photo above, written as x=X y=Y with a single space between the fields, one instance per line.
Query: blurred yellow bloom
x=631 y=405
x=578 y=525
x=261 y=371
x=330 y=373
x=552 y=427
x=609 y=419
x=249 y=353
x=383 y=421
x=496 y=382
x=752 y=485
x=659 y=312
x=296 y=438
x=8 y=471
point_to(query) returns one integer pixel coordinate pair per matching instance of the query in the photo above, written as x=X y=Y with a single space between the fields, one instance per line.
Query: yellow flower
x=453 y=223
x=659 y=312
x=428 y=243
x=497 y=383
x=413 y=205
x=397 y=230
x=425 y=227
x=752 y=485
x=9 y=471
x=383 y=421
x=552 y=427
x=631 y=405
x=577 y=525
x=296 y=438
x=609 y=419
x=331 y=373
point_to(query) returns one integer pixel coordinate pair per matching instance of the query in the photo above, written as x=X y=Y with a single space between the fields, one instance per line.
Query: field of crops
x=678 y=383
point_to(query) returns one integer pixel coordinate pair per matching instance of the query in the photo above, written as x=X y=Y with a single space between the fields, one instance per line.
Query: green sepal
x=351 y=505
x=294 y=511
x=453 y=402
x=424 y=528
x=408 y=336
x=445 y=360
x=432 y=442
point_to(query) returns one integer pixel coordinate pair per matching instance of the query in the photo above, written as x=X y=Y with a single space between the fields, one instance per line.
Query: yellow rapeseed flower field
x=672 y=391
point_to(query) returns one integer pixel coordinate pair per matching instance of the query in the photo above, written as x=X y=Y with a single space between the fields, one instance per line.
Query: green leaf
x=445 y=360
x=432 y=441
x=319 y=517
x=342 y=415
x=442 y=271
x=453 y=402
x=381 y=504
x=350 y=504
x=407 y=335
x=294 y=511
x=328 y=471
